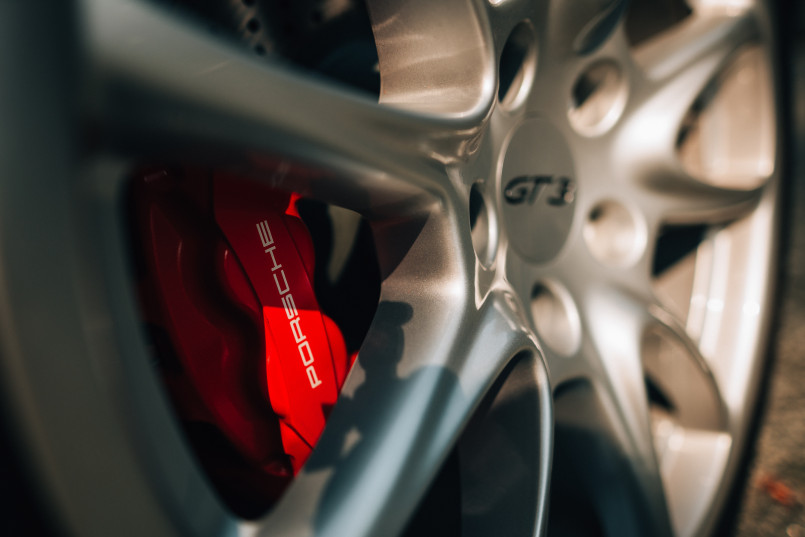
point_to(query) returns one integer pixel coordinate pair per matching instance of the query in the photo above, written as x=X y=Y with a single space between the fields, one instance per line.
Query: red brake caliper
x=228 y=283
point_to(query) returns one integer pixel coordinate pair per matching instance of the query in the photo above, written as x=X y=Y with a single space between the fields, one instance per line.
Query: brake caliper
x=227 y=292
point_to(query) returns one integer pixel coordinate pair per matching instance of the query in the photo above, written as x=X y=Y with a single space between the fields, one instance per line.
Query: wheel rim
x=475 y=296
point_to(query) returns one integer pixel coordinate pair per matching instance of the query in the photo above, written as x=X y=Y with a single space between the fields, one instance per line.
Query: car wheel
x=575 y=212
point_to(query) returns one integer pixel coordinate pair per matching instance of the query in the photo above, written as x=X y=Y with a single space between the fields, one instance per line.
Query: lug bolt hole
x=482 y=226
x=518 y=62
x=612 y=234
x=556 y=318
x=597 y=98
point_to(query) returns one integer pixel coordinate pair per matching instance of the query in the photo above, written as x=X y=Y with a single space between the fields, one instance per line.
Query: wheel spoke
x=660 y=409
x=674 y=364
x=672 y=196
x=689 y=421
x=678 y=67
x=683 y=60
x=418 y=377
x=505 y=455
x=620 y=412
x=416 y=383
x=160 y=87
x=433 y=56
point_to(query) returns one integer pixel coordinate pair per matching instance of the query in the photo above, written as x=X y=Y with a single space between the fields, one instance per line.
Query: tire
x=575 y=214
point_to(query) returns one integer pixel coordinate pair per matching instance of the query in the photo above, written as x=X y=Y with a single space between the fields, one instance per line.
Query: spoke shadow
x=356 y=434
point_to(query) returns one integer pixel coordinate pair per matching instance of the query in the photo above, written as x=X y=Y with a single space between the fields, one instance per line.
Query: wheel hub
x=538 y=190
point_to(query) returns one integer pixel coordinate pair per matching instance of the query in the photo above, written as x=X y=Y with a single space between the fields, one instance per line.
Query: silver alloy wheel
x=516 y=226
